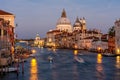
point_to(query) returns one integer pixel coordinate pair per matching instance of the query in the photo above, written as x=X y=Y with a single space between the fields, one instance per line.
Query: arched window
x=5 y=32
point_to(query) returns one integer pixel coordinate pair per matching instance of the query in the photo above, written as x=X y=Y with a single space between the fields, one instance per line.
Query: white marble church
x=63 y=23
x=71 y=36
x=38 y=42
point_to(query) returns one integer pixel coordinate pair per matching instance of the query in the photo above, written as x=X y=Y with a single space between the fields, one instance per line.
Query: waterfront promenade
x=64 y=67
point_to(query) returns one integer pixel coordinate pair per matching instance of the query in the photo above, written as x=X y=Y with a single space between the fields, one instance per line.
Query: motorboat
x=109 y=54
x=80 y=54
x=79 y=59
x=10 y=69
x=32 y=55
x=50 y=58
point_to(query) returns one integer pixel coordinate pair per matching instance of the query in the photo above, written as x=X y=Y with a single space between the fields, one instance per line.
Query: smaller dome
x=63 y=20
x=37 y=37
x=77 y=23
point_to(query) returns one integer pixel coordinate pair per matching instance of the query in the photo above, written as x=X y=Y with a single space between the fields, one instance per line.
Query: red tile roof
x=5 y=13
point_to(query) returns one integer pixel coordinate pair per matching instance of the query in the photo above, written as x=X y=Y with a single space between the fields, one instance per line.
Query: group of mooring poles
x=5 y=69
x=18 y=67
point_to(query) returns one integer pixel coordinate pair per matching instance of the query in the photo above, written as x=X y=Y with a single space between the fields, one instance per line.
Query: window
x=5 y=32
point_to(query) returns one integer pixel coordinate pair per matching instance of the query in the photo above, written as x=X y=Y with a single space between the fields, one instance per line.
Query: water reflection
x=99 y=58
x=33 y=69
x=54 y=50
x=117 y=77
x=54 y=75
x=75 y=52
x=75 y=72
x=118 y=62
x=100 y=72
x=41 y=50
x=49 y=49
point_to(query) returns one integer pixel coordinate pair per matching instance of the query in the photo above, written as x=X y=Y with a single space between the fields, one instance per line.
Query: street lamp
x=75 y=46
x=99 y=49
x=118 y=51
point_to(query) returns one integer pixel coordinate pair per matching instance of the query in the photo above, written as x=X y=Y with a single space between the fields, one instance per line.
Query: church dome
x=63 y=23
x=63 y=19
x=77 y=23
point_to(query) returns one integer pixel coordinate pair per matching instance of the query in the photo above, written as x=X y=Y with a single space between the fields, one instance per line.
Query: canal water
x=60 y=64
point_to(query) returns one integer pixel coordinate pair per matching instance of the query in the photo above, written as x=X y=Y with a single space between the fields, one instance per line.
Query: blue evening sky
x=39 y=16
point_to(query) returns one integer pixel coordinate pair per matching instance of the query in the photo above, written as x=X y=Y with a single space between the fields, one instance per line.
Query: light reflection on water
x=99 y=67
x=54 y=75
x=75 y=52
x=117 y=77
x=99 y=58
x=33 y=69
x=75 y=72
x=118 y=62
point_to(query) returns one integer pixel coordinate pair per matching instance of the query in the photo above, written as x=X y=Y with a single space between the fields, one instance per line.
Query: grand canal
x=64 y=66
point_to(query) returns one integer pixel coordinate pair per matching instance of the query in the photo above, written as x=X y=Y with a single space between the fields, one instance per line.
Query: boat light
x=33 y=51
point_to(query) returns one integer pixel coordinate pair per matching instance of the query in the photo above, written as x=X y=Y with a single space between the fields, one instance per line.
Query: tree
x=111 y=31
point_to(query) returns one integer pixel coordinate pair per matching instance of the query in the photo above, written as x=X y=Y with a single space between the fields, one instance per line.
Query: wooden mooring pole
x=22 y=66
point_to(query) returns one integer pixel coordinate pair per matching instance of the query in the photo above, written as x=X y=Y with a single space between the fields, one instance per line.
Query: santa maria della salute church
x=66 y=35
x=64 y=24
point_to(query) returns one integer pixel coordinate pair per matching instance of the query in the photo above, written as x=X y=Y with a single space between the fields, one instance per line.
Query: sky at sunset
x=39 y=16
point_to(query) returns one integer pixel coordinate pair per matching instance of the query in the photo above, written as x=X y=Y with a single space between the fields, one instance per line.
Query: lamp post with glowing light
x=99 y=49
x=118 y=51
x=75 y=46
